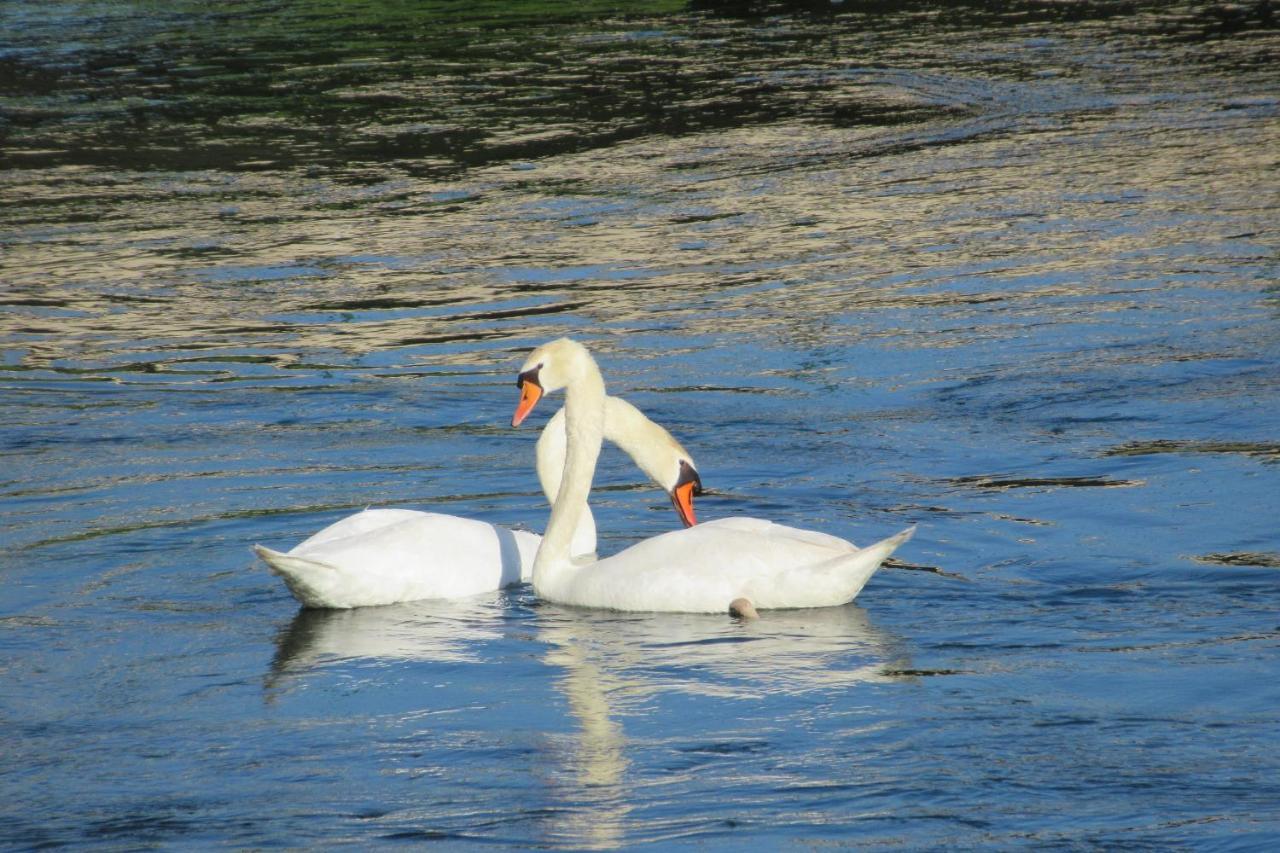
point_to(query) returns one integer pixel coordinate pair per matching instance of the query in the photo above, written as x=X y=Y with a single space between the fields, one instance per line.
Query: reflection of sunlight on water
x=785 y=233
x=857 y=178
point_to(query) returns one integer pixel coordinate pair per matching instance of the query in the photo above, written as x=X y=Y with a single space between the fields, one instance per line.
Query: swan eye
x=689 y=474
x=530 y=375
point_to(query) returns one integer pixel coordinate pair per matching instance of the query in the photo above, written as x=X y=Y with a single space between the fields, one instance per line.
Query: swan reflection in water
x=443 y=630
x=609 y=665
x=785 y=651
x=613 y=664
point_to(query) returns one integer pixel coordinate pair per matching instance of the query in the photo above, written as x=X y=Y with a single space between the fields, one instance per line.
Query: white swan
x=745 y=562
x=387 y=556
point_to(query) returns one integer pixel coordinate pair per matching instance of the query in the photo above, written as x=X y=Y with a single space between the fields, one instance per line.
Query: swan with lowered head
x=750 y=563
x=387 y=556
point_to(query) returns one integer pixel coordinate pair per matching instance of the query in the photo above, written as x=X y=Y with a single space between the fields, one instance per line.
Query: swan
x=750 y=563
x=388 y=556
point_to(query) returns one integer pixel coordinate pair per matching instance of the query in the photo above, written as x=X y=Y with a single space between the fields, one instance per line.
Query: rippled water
x=1010 y=275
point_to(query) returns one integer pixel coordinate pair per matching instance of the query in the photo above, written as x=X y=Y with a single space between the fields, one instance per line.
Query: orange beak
x=682 y=500
x=530 y=394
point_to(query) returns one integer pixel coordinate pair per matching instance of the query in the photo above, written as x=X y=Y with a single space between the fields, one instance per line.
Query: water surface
x=1010 y=276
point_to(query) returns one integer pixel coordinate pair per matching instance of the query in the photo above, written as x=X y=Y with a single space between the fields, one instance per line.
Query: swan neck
x=584 y=431
x=550 y=458
x=648 y=444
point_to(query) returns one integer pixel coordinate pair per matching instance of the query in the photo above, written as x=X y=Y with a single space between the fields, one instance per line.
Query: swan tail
x=885 y=547
x=846 y=575
x=310 y=581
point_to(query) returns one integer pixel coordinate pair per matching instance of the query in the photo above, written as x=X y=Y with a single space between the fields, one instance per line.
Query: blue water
x=1007 y=276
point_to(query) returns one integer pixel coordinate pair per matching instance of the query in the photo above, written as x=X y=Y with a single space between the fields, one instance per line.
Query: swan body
x=387 y=556
x=702 y=569
x=707 y=568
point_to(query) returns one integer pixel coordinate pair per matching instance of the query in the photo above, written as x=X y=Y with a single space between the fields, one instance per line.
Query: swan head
x=549 y=368
x=556 y=365
x=687 y=485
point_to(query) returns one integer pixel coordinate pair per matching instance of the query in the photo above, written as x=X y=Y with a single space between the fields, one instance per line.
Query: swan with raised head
x=388 y=556
x=702 y=569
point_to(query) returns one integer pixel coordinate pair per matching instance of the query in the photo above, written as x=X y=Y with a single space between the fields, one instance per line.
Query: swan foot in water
x=743 y=609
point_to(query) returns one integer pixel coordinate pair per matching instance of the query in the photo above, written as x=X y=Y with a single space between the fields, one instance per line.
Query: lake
x=1004 y=271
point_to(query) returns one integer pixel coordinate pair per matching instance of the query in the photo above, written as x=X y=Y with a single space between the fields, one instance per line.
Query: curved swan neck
x=648 y=444
x=550 y=457
x=584 y=408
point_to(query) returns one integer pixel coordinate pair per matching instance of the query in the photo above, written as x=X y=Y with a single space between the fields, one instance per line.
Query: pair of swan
x=735 y=564
x=386 y=556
